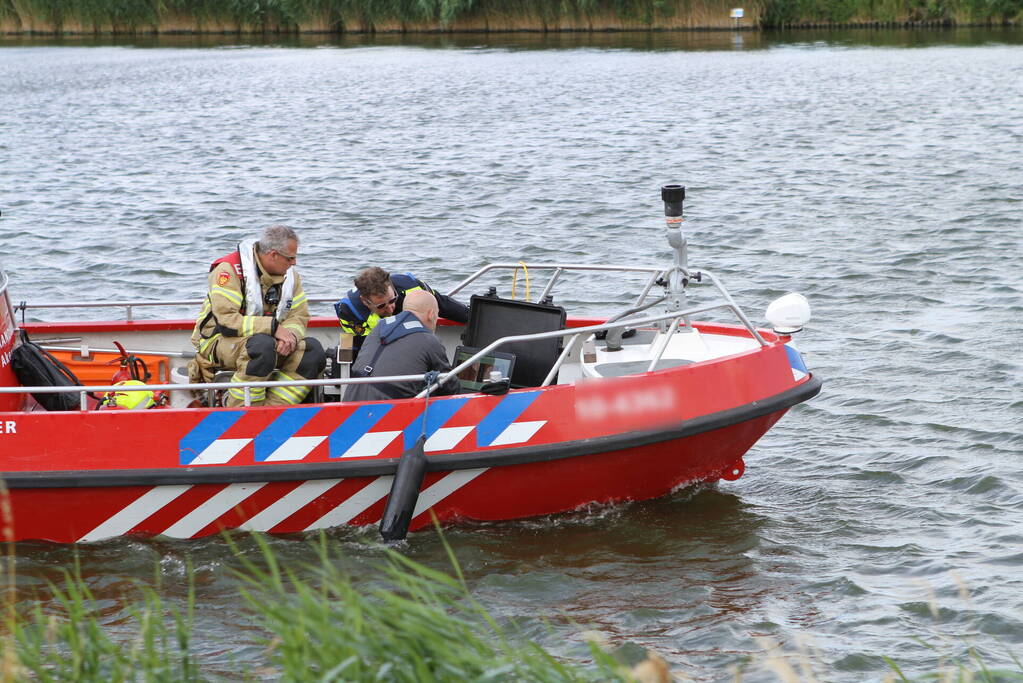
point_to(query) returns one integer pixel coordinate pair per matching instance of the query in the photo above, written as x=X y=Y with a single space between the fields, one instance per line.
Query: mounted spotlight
x=788 y=314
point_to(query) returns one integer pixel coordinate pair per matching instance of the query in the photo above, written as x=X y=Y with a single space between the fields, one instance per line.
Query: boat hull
x=90 y=475
x=499 y=485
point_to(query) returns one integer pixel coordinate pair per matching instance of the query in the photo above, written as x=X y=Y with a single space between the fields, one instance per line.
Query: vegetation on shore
x=409 y=623
x=344 y=16
x=412 y=623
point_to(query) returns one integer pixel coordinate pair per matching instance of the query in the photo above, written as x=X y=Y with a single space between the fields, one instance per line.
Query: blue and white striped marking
x=203 y=445
x=355 y=438
x=799 y=370
x=277 y=443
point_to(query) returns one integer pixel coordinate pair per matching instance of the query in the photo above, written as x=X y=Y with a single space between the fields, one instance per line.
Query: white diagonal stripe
x=370 y=443
x=444 y=487
x=517 y=432
x=130 y=515
x=281 y=509
x=200 y=517
x=357 y=503
x=296 y=448
x=220 y=451
x=446 y=438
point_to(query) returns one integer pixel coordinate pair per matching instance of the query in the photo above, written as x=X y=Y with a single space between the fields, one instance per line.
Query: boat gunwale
x=371 y=467
x=567 y=331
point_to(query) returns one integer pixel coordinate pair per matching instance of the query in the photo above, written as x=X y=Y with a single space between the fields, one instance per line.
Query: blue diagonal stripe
x=506 y=412
x=205 y=433
x=437 y=414
x=795 y=359
x=358 y=423
x=281 y=429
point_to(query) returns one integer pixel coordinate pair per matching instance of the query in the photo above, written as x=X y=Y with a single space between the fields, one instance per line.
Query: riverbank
x=135 y=17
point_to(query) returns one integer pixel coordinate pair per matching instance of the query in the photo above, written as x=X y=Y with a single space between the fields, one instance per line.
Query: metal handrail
x=137 y=352
x=577 y=332
x=614 y=323
x=130 y=305
x=656 y=272
x=559 y=269
x=84 y=391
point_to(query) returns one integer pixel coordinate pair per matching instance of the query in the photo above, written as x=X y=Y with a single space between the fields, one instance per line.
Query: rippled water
x=879 y=174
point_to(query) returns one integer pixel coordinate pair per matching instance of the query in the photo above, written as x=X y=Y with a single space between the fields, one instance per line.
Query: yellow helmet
x=131 y=400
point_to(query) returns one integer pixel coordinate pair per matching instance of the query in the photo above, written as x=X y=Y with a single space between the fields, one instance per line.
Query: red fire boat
x=557 y=413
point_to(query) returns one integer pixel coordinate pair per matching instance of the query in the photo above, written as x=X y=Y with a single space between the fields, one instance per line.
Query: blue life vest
x=361 y=320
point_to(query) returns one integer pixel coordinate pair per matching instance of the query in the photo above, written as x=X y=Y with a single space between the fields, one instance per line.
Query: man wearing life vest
x=403 y=344
x=254 y=320
x=378 y=294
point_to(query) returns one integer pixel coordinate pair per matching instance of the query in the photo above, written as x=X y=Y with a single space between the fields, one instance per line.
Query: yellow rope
x=515 y=281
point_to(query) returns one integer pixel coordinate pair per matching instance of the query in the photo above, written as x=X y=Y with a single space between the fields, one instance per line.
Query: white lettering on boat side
x=6 y=342
x=598 y=407
x=8 y=427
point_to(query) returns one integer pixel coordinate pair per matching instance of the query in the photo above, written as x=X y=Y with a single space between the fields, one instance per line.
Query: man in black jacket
x=402 y=344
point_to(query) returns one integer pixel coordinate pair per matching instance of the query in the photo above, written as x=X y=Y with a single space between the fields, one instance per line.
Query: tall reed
x=69 y=642
x=412 y=623
x=140 y=16
x=409 y=623
x=402 y=622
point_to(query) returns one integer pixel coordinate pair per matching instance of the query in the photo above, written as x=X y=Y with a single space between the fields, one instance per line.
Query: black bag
x=36 y=367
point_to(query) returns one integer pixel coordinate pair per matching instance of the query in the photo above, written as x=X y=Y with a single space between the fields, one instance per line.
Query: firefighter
x=254 y=320
x=378 y=294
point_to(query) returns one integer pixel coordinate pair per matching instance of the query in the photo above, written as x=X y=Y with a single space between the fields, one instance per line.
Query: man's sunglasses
x=381 y=306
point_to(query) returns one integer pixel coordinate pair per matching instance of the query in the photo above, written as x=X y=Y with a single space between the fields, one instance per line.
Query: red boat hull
x=82 y=476
x=491 y=494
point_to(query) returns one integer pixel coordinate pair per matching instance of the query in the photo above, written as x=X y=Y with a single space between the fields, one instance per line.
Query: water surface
x=877 y=173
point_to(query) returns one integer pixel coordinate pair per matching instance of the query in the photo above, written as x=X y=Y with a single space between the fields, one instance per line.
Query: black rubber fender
x=401 y=501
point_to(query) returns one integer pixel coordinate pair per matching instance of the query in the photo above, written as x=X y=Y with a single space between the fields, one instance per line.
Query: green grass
x=415 y=624
x=400 y=621
x=69 y=643
x=410 y=623
x=139 y=16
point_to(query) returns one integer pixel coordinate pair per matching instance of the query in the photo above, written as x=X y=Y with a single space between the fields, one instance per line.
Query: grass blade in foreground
x=413 y=624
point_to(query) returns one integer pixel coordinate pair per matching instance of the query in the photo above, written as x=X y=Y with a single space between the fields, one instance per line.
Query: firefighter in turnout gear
x=254 y=320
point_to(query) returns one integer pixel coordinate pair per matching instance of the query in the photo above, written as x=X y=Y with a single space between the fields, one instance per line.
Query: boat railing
x=657 y=274
x=576 y=335
x=559 y=269
x=654 y=273
x=128 y=306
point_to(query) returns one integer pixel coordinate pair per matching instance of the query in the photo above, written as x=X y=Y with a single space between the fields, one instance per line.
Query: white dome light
x=788 y=314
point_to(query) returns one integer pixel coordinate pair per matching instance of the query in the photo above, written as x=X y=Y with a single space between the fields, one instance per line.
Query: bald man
x=403 y=344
